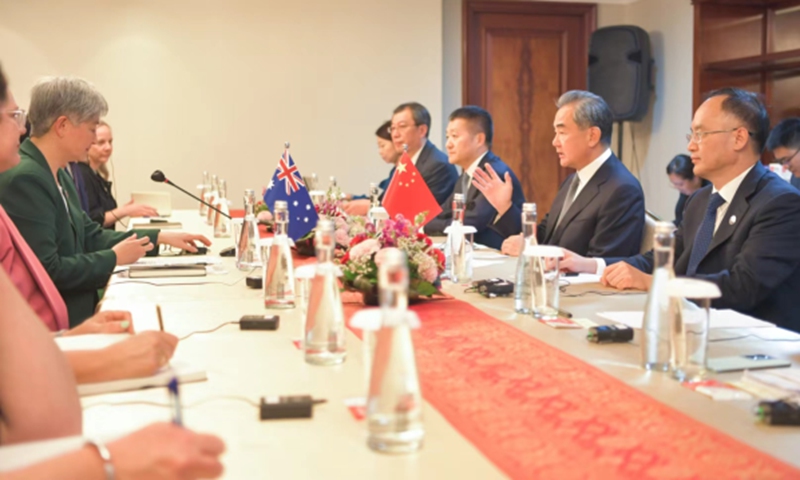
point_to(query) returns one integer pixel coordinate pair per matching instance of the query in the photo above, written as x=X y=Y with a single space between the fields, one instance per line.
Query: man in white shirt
x=411 y=124
x=598 y=211
x=741 y=231
x=469 y=140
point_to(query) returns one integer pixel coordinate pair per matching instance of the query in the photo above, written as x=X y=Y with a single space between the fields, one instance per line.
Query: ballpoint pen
x=177 y=415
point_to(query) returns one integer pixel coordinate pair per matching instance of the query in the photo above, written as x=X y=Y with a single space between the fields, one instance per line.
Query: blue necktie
x=704 y=234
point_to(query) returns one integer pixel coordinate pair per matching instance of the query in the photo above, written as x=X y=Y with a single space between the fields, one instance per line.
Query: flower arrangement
x=425 y=263
x=263 y=215
x=331 y=207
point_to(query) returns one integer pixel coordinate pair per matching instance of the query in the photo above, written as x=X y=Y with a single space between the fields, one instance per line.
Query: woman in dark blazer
x=680 y=171
x=40 y=198
x=100 y=204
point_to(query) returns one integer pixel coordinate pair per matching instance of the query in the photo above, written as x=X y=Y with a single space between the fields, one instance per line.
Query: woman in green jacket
x=39 y=196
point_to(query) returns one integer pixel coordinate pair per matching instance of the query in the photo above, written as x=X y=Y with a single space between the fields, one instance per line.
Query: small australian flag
x=287 y=185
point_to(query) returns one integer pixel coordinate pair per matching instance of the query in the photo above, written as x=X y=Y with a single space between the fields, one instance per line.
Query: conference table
x=474 y=379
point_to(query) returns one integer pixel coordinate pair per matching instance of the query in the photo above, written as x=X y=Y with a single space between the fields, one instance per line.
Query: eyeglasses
x=19 y=115
x=697 y=137
x=786 y=160
x=401 y=127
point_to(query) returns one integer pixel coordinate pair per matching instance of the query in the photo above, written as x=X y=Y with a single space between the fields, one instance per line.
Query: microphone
x=159 y=177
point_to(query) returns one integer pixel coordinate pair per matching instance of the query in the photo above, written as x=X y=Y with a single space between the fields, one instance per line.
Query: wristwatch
x=105 y=455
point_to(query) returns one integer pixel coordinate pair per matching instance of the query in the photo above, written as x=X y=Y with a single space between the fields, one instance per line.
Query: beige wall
x=199 y=85
x=661 y=134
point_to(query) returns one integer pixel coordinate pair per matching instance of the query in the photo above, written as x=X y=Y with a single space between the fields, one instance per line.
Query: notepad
x=186 y=374
x=160 y=271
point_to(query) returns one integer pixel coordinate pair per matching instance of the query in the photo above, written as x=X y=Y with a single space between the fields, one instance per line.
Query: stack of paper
x=771 y=384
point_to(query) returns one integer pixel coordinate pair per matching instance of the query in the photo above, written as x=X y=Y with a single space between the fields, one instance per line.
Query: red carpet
x=537 y=412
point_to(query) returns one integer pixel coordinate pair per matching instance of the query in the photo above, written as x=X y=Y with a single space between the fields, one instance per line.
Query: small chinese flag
x=408 y=194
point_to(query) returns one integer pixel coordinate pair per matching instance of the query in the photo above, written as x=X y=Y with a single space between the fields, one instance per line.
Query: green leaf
x=426 y=289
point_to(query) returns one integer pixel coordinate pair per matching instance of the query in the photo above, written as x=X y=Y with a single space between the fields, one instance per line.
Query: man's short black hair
x=478 y=117
x=419 y=113
x=785 y=134
x=747 y=107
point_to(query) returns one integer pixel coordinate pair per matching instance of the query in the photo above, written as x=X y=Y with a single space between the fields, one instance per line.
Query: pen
x=160 y=320
x=564 y=313
x=177 y=417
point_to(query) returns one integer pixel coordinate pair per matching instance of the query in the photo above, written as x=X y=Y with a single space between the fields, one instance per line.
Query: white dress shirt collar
x=415 y=157
x=728 y=191
x=474 y=166
x=586 y=173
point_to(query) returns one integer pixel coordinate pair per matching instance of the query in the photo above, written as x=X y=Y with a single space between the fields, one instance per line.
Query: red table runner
x=537 y=412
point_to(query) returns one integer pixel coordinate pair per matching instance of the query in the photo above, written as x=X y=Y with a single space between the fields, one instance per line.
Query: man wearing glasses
x=410 y=126
x=740 y=232
x=784 y=143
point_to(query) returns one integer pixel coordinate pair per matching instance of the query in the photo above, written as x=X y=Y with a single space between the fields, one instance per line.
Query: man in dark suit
x=411 y=124
x=599 y=210
x=740 y=232
x=469 y=138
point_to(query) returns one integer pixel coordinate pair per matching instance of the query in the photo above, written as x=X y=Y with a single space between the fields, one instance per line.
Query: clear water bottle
x=212 y=199
x=248 y=254
x=325 y=328
x=222 y=223
x=523 y=290
x=460 y=245
x=278 y=267
x=394 y=402
x=660 y=309
x=204 y=189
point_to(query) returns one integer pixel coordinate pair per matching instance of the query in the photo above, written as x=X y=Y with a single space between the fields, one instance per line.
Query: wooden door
x=519 y=57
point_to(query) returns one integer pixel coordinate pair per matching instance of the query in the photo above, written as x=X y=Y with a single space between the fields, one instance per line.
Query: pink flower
x=265 y=216
x=365 y=248
x=430 y=275
x=341 y=237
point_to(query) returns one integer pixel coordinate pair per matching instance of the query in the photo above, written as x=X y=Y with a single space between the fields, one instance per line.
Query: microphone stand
x=198 y=199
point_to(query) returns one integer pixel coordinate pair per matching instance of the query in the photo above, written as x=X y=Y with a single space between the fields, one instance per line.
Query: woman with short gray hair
x=39 y=196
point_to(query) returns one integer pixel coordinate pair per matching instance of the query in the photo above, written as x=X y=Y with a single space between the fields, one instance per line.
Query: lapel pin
x=732 y=220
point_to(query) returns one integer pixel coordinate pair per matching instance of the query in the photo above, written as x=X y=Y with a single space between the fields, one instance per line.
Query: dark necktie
x=702 y=240
x=464 y=182
x=573 y=189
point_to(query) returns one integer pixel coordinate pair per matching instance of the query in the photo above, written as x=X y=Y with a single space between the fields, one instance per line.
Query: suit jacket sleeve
x=620 y=222
x=35 y=216
x=510 y=223
x=767 y=258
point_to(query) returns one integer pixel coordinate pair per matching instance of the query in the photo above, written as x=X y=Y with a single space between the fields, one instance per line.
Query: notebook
x=186 y=373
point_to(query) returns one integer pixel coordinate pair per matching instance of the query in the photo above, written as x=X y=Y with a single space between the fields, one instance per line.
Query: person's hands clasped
x=357 y=207
x=497 y=192
x=141 y=355
x=184 y=241
x=110 y=321
x=164 y=451
x=131 y=209
x=132 y=249
x=625 y=276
